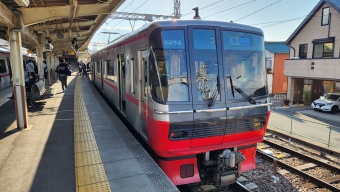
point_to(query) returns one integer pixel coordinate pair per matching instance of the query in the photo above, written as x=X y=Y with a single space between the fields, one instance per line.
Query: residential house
x=276 y=54
x=314 y=65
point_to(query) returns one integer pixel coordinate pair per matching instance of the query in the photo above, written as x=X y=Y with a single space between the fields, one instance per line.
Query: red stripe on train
x=132 y=99
x=111 y=85
x=4 y=75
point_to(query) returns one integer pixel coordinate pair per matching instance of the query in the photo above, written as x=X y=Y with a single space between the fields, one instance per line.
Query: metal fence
x=317 y=130
x=277 y=100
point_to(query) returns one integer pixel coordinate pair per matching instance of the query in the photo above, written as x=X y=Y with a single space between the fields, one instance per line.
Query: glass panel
x=243 y=62
x=3 y=67
x=98 y=68
x=110 y=70
x=318 y=49
x=133 y=76
x=325 y=16
x=327 y=50
x=145 y=75
x=206 y=65
x=303 y=51
x=168 y=69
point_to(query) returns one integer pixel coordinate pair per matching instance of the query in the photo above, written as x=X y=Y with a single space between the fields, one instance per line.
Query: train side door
x=206 y=75
x=122 y=82
x=143 y=105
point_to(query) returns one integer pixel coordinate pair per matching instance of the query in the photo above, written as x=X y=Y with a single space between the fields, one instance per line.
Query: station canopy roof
x=68 y=25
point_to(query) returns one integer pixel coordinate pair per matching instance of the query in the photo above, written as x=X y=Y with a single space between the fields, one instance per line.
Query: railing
x=317 y=130
x=277 y=100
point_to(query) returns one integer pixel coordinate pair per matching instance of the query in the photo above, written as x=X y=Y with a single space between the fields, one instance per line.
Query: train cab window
x=243 y=57
x=168 y=68
x=109 y=70
x=206 y=65
x=3 y=66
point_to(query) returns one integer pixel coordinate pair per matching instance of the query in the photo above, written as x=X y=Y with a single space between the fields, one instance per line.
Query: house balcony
x=328 y=69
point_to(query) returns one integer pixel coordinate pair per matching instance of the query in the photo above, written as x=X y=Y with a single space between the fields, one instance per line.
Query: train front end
x=208 y=102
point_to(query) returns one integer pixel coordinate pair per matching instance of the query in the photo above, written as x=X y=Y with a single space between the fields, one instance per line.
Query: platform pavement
x=127 y=165
x=43 y=158
x=39 y=159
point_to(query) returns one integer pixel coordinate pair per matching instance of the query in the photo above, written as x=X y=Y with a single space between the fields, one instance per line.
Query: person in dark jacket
x=62 y=71
x=84 y=70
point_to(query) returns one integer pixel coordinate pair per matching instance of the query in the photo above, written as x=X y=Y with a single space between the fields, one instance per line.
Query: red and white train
x=195 y=90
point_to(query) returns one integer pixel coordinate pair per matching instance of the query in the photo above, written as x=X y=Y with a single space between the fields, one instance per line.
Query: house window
x=325 y=16
x=323 y=50
x=303 y=51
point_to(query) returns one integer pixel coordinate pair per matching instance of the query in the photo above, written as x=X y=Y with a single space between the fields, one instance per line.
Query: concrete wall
x=323 y=68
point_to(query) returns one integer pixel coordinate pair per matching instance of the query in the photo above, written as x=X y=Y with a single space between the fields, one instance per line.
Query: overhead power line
x=132 y=12
x=242 y=7
x=230 y=8
x=258 y=10
x=202 y=8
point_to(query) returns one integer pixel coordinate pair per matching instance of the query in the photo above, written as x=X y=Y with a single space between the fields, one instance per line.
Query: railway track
x=302 y=170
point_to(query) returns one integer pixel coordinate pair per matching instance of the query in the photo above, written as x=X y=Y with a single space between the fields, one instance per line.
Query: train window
x=3 y=66
x=133 y=76
x=206 y=65
x=114 y=68
x=98 y=67
x=243 y=62
x=168 y=68
x=145 y=65
x=109 y=70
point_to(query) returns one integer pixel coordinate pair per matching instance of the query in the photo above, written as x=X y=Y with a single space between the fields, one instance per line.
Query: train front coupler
x=227 y=168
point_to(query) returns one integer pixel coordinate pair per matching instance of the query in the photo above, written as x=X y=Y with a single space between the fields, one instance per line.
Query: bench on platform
x=35 y=91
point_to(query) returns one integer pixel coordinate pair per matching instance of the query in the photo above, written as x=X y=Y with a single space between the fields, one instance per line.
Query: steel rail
x=312 y=179
x=303 y=156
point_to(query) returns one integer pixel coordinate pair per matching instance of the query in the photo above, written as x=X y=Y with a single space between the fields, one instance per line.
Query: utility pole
x=177 y=8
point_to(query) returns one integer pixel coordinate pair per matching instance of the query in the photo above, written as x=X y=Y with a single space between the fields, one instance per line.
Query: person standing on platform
x=35 y=67
x=29 y=67
x=83 y=66
x=45 y=70
x=62 y=71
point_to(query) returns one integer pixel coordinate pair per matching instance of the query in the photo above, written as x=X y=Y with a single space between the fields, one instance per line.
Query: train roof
x=4 y=50
x=183 y=23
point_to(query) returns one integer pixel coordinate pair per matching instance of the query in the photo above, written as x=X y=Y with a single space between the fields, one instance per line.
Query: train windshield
x=168 y=68
x=243 y=55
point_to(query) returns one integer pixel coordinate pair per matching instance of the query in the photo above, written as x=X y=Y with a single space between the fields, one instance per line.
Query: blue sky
x=259 y=13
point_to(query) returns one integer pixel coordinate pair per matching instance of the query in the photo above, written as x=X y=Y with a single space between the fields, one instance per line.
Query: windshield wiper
x=215 y=93
x=249 y=99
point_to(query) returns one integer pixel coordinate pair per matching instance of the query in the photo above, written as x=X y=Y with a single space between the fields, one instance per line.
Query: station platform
x=75 y=143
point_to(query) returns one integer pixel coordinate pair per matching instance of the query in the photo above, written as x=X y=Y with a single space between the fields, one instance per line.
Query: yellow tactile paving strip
x=90 y=173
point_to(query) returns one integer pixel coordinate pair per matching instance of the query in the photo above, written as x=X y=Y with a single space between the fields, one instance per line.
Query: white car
x=329 y=102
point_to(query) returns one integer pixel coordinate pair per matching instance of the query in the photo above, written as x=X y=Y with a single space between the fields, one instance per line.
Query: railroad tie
x=328 y=180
